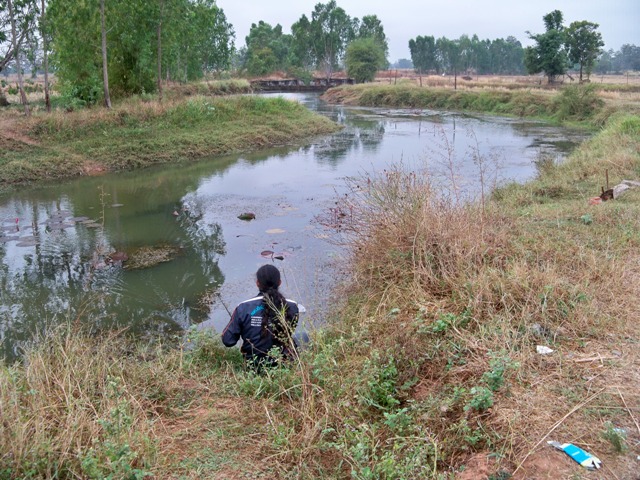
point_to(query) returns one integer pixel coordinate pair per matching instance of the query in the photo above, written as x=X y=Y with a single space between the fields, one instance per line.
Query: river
x=56 y=240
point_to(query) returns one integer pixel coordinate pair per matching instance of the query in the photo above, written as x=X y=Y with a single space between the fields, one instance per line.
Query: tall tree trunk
x=160 y=50
x=45 y=46
x=16 y=49
x=105 y=72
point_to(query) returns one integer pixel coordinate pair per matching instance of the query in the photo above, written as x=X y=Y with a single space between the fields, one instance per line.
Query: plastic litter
x=542 y=350
x=580 y=456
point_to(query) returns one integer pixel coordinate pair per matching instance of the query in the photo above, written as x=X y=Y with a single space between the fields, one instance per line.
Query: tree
x=267 y=49
x=424 y=54
x=45 y=54
x=325 y=37
x=371 y=27
x=182 y=39
x=13 y=19
x=105 y=72
x=301 y=53
x=548 y=55
x=450 y=52
x=583 y=43
x=211 y=36
x=363 y=58
x=629 y=57
x=18 y=14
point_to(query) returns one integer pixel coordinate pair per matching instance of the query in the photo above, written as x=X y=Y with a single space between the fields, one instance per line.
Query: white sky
x=406 y=19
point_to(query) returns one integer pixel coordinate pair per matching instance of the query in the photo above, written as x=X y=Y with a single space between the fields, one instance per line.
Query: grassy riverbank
x=138 y=133
x=588 y=103
x=429 y=370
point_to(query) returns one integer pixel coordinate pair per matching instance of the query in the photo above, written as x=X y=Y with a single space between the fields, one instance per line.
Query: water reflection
x=57 y=242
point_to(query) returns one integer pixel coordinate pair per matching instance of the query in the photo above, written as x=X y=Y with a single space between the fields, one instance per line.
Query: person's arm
x=231 y=333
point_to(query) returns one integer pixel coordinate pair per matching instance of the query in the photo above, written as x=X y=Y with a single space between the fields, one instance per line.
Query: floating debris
x=266 y=253
x=146 y=257
x=275 y=230
x=118 y=257
x=116 y=205
x=247 y=216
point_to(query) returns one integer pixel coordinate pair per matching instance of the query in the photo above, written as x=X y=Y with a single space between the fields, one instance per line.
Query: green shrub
x=578 y=102
x=382 y=377
x=482 y=399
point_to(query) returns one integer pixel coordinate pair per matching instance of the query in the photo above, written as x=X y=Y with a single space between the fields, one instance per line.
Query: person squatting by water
x=264 y=322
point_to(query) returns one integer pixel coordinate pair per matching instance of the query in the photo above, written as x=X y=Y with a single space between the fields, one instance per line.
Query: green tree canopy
x=371 y=27
x=500 y=56
x=424 y=54
x=583 y=44
x=321 y=41
x=267 y=49
x=25 y=17
x=195 y=35
x=548 y=54
x=363 y=58
x=629 y=57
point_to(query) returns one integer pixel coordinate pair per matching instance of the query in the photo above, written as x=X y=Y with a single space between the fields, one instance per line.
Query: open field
x=631 y=79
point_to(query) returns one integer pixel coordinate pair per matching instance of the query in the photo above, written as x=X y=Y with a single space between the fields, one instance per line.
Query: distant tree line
x=320 y=42
x=624 y=60
x=556 y=51
x=467 y=54
x=133 y=46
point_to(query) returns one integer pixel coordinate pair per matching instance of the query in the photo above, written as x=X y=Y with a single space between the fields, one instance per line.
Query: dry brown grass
x=506 y=81
x=70 y=395
x=472 y=293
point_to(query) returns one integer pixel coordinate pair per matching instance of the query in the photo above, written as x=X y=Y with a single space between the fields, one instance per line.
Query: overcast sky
x=406 y=19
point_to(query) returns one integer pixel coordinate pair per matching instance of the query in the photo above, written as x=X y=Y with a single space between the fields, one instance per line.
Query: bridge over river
x=297 y=85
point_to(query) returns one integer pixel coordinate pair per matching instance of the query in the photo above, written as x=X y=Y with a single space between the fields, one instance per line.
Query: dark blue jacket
x=246 y=322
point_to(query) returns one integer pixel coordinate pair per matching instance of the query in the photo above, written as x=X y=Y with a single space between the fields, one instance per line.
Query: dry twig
x=557 y=424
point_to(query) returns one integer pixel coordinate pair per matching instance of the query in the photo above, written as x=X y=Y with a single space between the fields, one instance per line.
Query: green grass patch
x=580 y=103
x=136 y=134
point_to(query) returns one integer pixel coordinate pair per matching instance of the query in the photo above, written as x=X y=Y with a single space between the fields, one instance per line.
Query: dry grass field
x=506 y=81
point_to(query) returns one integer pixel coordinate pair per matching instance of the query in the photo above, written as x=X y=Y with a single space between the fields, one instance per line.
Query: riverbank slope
x=137 y=133
x=430 y=368
x=589 y=105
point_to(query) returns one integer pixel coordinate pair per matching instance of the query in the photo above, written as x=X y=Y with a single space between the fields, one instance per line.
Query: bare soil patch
x=10 y=133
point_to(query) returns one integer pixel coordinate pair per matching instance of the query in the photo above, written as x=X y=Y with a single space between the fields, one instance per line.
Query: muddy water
x=61 y=246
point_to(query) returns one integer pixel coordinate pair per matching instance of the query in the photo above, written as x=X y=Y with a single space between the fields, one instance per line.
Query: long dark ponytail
x=276 y=310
